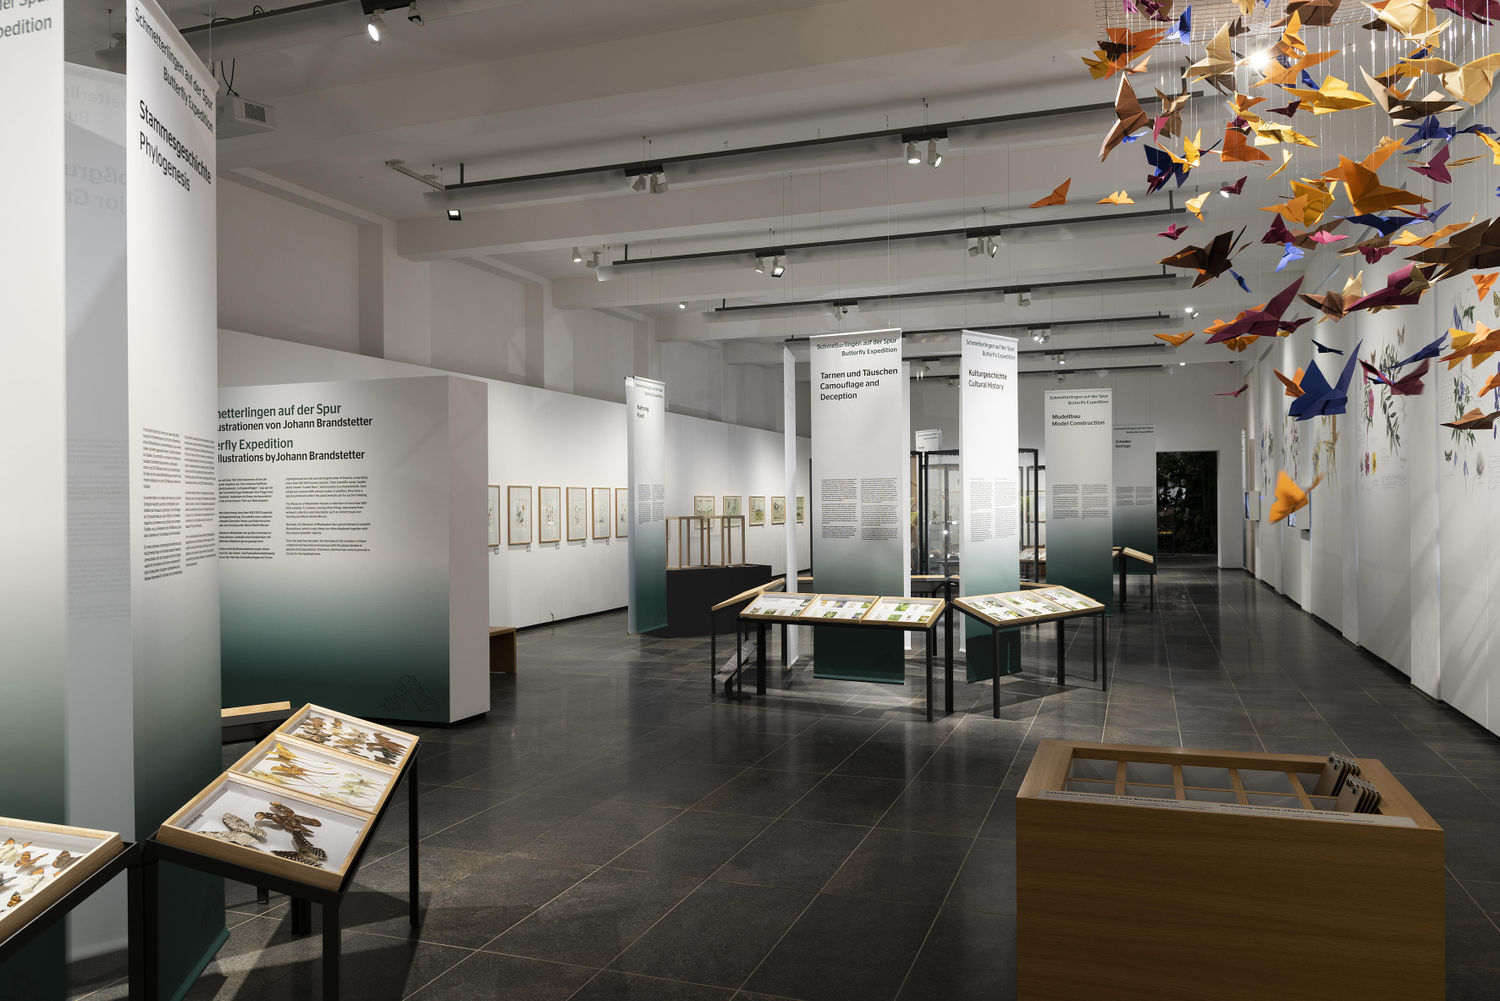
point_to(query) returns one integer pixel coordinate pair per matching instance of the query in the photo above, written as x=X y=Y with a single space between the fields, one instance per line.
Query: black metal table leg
x=995 y=682
x=928 y=642
x=1104 y=654
x=1153 y=589
x=760 y=659
x=331 y=950
x=1123 y=561
x=784 y=628
x=262 y=895
x=142 y=931
x=1062 y=668
x=414 y=843
x=713 y=652
x=948 y=655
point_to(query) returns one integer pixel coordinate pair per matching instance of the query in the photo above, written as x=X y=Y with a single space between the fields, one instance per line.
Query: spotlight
x=777 y=268
x=991 y=247
x=413 y=15
x=934 y=158
x=593 y=261
x=1181 y=363
x=1060 y=377
x=1188 y=310
x=1260 y=60
x=1061 y=360
x=639 y=184
x=912 y=156
x=760 y=265
x=455 y=215
x=1023 y=298
x=1041 y=334
x=375 y=27
x=577 y=257
x=658 y=182
x=974 y=247
x=682 y=305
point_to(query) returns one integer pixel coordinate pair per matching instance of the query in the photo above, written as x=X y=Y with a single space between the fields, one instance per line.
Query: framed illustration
x=494 y=522
x=622 y=512
x=602 y=527
x=757 y=510
x=549 y=514
x=734 y=505
x=703 y=506
x=778 y=510
x=801 y=509
x=578 y=514
x=518 y=515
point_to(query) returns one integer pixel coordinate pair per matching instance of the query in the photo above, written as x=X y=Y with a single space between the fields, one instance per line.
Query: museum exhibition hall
x=691 y=500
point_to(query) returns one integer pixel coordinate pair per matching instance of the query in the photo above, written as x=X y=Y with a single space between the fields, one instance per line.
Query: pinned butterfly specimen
x=15 y=898
x=388 y=750
x=305 y=854
x=283 y=818
x=356 y=787
x=27 y=859
x=64 y=859
x=10 y=851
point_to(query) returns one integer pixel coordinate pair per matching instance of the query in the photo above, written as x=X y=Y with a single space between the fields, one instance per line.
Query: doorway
x=1187 y=502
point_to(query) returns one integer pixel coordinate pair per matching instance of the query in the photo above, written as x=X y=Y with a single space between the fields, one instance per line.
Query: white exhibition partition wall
x=1080 y=490
x=540 y=437
x=33 y=402
x=352 y=515
x=860 y=504
x=1399 y=553
x=989 y=392
x=646 y=453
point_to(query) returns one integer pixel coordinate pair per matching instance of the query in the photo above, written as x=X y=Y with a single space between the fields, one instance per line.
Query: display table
x=1123 y=556
x=1145 y=873
x=1033 y=606
x=47 y=870
x=852 y=611
x=295 y=814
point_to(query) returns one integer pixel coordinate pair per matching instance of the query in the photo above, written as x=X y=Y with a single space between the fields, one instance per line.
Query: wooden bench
x=502 y=650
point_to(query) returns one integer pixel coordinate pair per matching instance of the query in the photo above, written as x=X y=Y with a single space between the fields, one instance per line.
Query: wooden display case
x=349 y=735
x=27 y=888
x=1145 y=873
x=339 y=831
x=311 y=770
x=778 y=606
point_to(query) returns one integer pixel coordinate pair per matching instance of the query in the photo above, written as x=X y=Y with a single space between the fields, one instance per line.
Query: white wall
x=540 y=437
x=286 y=271
x=1188 y=418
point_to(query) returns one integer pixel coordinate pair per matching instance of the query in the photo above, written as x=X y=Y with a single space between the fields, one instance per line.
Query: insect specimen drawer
x=40 y=863
x=1145 y=873
x=302 y=802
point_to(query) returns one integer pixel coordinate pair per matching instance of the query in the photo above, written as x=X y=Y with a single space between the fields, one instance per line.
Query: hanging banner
x=861 y=507
x=173 y=388
x=789 y=474
x=345 y=518
x=33 y=400
x=646 y=434
x=1135 y=492
x=991 y=553
x=1079 y=440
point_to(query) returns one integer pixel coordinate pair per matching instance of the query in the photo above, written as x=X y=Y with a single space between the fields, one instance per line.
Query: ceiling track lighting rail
x=1002 y=327
x=969 y=232
x=220 y=23
x=907 y=134
x=1020 y=291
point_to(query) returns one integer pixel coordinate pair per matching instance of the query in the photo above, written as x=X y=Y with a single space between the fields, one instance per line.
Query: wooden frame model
x=91 y=849
x=578 y=532
x=622 y=512
x=602 y=513
x=1141 y=892
x=550 y=523
x=517 y=519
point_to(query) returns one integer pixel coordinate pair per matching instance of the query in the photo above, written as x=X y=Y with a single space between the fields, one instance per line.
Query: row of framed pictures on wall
x=703 y=507
x=588 y=514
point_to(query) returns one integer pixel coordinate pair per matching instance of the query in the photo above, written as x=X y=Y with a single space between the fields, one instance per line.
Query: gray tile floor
x=611 y=830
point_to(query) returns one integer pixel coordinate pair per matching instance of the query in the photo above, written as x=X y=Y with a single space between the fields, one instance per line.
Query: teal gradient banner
x=646 y=444
x=1079 y=438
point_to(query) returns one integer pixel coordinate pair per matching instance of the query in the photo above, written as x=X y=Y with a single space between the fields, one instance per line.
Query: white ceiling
x=514 y=87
